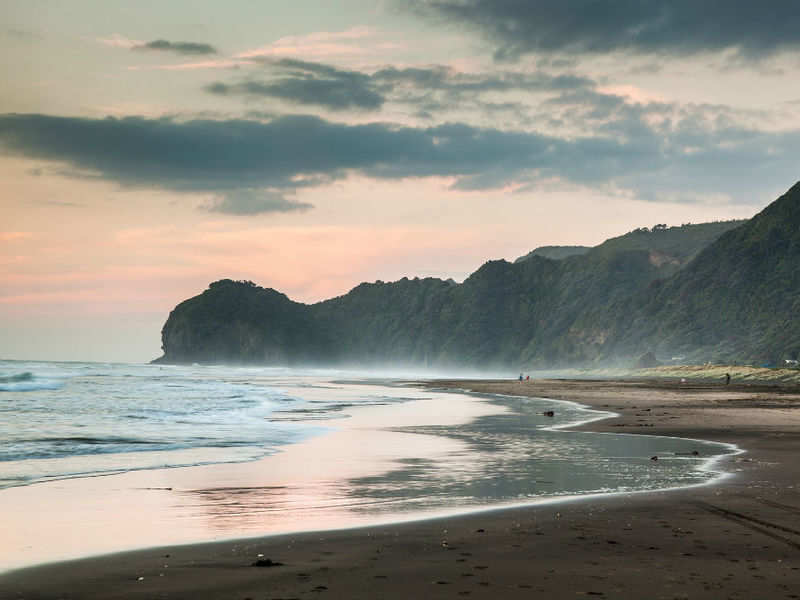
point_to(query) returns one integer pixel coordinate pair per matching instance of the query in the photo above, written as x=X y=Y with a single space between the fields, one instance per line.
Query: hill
x=713 y=291
x=555 y=252
x=239 y=322
x=739 y=300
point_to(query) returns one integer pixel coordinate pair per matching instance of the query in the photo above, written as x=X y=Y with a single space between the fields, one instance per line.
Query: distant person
x=727 y=378
x=527 y=377
x=520 y=377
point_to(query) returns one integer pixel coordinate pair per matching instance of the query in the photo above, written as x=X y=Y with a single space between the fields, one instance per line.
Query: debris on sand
x=266 y=562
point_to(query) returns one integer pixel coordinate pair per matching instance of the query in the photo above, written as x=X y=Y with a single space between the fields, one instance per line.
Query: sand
x=739 y=538
x=310 y=485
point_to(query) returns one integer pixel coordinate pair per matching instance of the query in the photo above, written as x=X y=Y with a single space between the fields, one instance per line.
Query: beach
x=736 y=538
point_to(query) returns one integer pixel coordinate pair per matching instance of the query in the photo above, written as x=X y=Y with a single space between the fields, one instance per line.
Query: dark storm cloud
x=310 y=83
x=252 y=166
x=681 y=27
x=177 y=47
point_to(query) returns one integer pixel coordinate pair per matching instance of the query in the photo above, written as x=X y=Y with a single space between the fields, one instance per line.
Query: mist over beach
x=383 y=299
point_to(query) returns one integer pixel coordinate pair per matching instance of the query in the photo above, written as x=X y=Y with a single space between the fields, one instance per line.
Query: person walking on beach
x=727 y=378
x=520 y=377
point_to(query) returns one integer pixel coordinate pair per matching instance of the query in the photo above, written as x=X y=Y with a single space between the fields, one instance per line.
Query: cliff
x=714 y=291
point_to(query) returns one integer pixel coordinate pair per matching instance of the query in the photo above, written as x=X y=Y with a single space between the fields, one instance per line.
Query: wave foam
x=27 y=382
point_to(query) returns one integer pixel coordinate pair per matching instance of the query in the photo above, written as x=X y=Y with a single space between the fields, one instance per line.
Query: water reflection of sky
x=517 y=456
x=513 y=456
x=398 y=453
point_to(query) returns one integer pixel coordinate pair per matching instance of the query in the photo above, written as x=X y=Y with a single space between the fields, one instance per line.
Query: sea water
x=170 y=454
x=63 y=420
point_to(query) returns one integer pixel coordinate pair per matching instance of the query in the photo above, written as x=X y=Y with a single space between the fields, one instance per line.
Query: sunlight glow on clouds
x=192 y=66
x=323 y=45
x=117 y=40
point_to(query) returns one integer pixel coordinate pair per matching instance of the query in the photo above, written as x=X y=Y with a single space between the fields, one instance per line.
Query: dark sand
x=739 y=538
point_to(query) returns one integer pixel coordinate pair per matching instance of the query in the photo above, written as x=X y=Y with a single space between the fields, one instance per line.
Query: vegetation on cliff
x=739 y=300
x=714 y=291
x=555 y=252
x=239 y=322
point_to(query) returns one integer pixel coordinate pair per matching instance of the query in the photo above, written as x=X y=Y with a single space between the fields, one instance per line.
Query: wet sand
x=739 y=538
x=310 y=485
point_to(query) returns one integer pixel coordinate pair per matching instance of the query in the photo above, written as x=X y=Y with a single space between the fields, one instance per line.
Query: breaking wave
x=27 y=382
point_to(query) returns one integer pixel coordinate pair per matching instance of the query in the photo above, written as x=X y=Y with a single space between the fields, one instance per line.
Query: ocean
x=62 y=420
x=219 y=452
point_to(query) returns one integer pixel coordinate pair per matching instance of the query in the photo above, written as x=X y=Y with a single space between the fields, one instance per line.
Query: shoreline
x=300 y=487
x=441 y=416
x=686 y=541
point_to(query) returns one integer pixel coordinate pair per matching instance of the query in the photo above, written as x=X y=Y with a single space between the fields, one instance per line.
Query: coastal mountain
x=239 y=322
x=706 y=292
x=555 y=252
x=738 y=300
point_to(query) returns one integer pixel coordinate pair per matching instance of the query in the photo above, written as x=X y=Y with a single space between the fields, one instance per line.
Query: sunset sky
x=150 y=148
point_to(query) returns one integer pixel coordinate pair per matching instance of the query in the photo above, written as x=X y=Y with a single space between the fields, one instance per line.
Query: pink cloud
x=324 y=44
x=116 y=40
x=192 y=66
x=631 y=94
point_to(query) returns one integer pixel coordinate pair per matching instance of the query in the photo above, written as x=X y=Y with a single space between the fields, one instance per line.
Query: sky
x=150 y=148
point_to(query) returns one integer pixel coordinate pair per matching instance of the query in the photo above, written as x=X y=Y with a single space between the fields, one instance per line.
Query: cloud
x=310 y=83
x=440 y=89
x=678 y=27
x=223 y=63
x=254 y=202
x=254 y=166
x=321 y=44
x=433 y=87
x=177 y=47
x=117 y=40
x=437 y=77
x=445 y=78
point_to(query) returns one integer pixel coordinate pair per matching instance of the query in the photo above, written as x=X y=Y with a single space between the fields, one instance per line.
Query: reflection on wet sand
x=510 y=455
x=441 y=453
